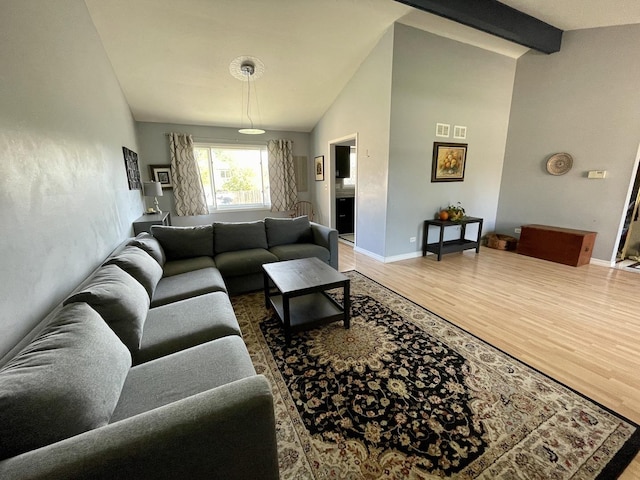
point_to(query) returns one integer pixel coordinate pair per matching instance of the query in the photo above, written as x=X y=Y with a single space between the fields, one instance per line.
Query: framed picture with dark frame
x=319 y=168
x=162 y=174
x=449 y=162
x=131 y=164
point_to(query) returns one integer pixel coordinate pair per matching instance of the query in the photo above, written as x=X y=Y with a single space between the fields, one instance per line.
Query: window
x=234 y=176
x=353 y=165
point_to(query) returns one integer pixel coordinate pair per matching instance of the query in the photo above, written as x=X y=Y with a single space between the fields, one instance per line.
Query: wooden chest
x=560 y=245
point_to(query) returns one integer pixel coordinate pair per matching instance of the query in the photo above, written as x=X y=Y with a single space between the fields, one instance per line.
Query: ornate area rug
x=405 y=394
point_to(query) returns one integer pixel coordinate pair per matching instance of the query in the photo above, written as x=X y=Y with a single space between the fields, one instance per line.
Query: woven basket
x=501 y=242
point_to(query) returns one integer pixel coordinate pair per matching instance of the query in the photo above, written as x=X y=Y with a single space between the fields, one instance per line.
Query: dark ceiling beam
x=497 y=19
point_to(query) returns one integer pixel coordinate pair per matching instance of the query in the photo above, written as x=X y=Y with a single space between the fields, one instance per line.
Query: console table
x=143 y=224
x=441 y=247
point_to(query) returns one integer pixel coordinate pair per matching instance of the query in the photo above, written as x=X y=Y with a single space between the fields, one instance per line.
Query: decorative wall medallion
x=559 y=164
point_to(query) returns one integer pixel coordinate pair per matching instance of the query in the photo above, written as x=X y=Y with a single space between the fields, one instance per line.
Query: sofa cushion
x=283 y=231
x=300 y=250
x=149 y=244
x=187 y=285
x=230 y=237
x=119 y=299
x=65 y=382
x=175 y=267
x=183 y=374
x=186 y=323
x=244 y=262
x=184 y=242
x=140 y=265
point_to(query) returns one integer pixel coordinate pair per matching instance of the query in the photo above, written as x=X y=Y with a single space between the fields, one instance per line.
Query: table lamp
x=153 y=189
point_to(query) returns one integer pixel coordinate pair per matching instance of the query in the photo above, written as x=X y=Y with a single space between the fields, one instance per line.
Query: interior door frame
x=625 y=216
x=332 y=178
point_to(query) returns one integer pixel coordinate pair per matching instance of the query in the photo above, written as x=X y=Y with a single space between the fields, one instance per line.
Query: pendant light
x=248 y=69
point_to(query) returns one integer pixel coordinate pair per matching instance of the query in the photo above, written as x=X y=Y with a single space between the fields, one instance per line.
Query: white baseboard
x=404 y=256
x=369 y=254
x=602 y=263
x=380 y=258
x=407 y=256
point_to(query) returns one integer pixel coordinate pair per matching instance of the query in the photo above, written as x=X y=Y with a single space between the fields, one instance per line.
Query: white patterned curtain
x=282 y=175
x=187 y=186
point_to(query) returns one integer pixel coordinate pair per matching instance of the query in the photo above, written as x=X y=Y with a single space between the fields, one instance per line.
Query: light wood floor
x=581 y=326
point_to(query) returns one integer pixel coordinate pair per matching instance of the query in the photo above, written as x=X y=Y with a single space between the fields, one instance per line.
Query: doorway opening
x=628 y=254
x=344 y=186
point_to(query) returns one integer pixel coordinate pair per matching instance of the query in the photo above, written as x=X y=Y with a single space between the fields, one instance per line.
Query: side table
x=143 y=224
x=441 y=247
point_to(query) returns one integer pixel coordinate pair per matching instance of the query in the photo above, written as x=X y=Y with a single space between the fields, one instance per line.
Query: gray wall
x=583 y=100
x=437 y=80
x=154 y=150
x=409 y=82
x=64 y=198
x=361 y=108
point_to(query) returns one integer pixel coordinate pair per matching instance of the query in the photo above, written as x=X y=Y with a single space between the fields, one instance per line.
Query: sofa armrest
x=226 y=432
x=326 y=237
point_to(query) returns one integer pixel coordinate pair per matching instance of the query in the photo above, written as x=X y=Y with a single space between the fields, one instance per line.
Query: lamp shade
x=152 y=189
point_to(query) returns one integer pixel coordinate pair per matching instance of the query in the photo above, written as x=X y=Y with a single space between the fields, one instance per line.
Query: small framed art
x=319 y=168
x=161 y=174
x=449 y=162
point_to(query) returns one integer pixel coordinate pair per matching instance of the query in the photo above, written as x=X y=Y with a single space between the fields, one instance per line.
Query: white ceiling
x=172 y=58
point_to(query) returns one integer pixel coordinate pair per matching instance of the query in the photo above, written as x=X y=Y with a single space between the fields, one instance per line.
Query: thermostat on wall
x=597 y=174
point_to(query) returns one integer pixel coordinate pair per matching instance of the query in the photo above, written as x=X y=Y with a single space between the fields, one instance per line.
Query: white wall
x=154 y=148
x=64 y=198
x=438 y=80
x=583 y=100
x=362 y=107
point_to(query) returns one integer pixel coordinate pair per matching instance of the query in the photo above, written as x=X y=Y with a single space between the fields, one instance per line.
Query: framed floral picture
x=449 y=162
x=162 y=174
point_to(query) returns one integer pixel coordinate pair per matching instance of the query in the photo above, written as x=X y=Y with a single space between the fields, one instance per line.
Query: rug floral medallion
x=404 y=394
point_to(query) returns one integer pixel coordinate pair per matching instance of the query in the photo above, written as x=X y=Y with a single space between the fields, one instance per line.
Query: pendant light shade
x=248 y=69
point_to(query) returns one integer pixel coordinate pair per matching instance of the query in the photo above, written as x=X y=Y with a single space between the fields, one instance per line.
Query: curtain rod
x=222 y=140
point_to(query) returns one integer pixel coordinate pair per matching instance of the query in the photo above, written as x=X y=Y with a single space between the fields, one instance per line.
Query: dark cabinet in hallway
x=345 y=214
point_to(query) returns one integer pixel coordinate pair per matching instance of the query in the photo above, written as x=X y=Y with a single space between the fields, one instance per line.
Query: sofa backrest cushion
x=185 y=242
x=150 y=244
x=120 y=300
x=285 y=231
x=140 y=265
x=66 y=381
x=229 y=237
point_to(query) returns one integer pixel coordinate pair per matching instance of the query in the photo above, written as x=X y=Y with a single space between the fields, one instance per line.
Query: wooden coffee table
x=301 y=301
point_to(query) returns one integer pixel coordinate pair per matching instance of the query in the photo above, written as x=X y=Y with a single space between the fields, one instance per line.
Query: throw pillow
x=120 y=300
x=230 y=237
x=185 y=242
x=66 y=381
x=140 y=265
x=149 y=244
x=285 y=231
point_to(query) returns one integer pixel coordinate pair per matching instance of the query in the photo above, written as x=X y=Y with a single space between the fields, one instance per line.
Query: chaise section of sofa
x=72 y=405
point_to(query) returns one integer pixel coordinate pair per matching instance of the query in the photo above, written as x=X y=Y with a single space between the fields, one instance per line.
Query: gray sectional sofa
x=142 y=371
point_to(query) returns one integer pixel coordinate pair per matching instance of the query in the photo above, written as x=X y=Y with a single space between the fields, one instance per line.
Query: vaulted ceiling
x=172 y=58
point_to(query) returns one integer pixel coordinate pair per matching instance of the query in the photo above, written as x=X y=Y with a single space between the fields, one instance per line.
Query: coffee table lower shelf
x=307 y=310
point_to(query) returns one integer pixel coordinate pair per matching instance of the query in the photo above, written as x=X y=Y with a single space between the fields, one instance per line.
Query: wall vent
x=442 y=129
x=459 y=132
